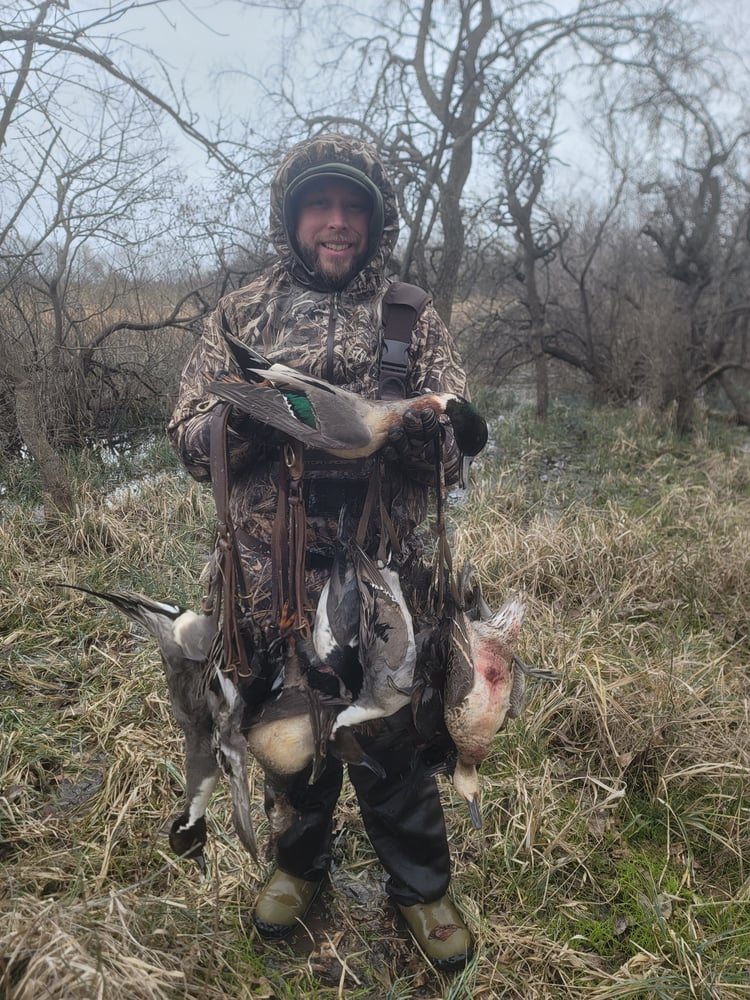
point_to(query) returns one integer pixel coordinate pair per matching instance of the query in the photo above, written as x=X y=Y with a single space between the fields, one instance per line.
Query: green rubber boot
x=283 y=903
x=440 y=932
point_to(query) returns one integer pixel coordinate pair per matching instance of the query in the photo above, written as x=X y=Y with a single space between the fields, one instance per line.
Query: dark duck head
x=469 y=426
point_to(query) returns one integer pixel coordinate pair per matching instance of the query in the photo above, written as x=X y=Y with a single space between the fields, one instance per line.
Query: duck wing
x=387 y=628
x=304 y=411
x=230 y=745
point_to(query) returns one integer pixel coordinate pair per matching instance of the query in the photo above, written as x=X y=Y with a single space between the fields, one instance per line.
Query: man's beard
x=331 y=278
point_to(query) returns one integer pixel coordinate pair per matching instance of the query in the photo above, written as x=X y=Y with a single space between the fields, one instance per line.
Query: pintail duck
x=387 y=648
x=285 y=734
x=336 y=627
x=330 y=418
x=206 y=707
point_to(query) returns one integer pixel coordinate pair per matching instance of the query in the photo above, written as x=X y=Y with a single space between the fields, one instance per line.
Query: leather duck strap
x=289 y=543
x=229 y=566
x=387 y=531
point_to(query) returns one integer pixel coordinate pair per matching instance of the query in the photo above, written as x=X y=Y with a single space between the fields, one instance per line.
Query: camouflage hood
x=352 y=158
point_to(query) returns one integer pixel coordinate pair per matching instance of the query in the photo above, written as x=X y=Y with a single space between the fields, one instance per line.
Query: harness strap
x=402 y=306
x=387 y=529
x=228 y=561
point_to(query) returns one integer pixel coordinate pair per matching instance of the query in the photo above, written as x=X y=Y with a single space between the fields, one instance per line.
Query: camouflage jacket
x=332 y=335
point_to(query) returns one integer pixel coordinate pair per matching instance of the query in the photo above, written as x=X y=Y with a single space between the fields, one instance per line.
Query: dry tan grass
x=614 y=861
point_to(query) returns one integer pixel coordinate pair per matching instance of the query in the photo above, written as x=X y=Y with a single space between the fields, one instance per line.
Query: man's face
x=332 y=229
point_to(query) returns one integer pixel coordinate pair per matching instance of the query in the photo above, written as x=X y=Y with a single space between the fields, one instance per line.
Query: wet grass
x=615 y=857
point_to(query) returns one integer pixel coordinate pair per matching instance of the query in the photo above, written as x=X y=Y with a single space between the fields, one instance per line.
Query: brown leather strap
x=387 y=530
x=229 y=567
x=373 y=494
x=289 y=544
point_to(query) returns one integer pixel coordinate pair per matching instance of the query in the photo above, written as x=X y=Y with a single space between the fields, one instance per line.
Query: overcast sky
x=215 y=47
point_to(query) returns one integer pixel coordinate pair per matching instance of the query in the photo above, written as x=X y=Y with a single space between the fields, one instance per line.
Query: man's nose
x=337 y=215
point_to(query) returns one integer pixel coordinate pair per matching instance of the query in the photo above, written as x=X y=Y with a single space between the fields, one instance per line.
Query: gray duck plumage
x=207 y=708
x=387 y=648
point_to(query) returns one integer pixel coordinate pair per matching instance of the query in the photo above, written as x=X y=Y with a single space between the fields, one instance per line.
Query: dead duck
x=336 y=625
x=292 y=732
x=387 y=647
x=284 y=733
x=204 y=705
x=328 y=417
x=479 y=690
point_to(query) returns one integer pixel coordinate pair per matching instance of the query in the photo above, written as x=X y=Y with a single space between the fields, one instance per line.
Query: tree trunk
x=740 y=400
x=34 y=436
x=541 y=374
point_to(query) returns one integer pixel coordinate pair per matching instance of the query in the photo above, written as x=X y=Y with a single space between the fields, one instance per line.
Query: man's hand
x=266 y=438
x=409 y=443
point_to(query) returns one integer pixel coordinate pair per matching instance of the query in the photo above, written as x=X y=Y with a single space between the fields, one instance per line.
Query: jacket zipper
x=335 y=300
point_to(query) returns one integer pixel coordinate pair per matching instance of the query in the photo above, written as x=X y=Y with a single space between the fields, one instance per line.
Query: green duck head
x=469 y=426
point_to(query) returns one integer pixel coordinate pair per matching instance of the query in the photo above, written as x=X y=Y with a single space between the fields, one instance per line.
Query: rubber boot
x=440 y=932
x=283 y=903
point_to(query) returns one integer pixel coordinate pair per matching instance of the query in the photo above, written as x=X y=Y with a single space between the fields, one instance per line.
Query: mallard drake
x=479 y=687
x=204 y=704
x=387 y=649
x=330 y=418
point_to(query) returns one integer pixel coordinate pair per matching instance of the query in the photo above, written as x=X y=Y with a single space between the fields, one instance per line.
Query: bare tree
x=702 y=243
x=85 y=178
x=444 y=71
x=594 y=296
x=524 y=152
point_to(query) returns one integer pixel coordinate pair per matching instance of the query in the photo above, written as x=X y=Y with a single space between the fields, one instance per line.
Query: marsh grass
x=615 y=857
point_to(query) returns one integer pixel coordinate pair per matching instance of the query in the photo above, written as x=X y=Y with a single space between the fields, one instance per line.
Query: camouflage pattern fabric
x=332 y=335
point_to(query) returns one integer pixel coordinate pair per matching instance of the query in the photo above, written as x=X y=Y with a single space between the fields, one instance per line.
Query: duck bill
x=475 y=812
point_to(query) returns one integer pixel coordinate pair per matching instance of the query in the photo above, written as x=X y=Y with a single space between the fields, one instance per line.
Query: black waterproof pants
x=402 y=814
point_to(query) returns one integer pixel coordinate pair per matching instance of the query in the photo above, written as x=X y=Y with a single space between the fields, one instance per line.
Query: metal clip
x=294 y=459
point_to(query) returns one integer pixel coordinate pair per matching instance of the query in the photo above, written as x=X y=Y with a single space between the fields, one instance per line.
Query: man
x=319 y=308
